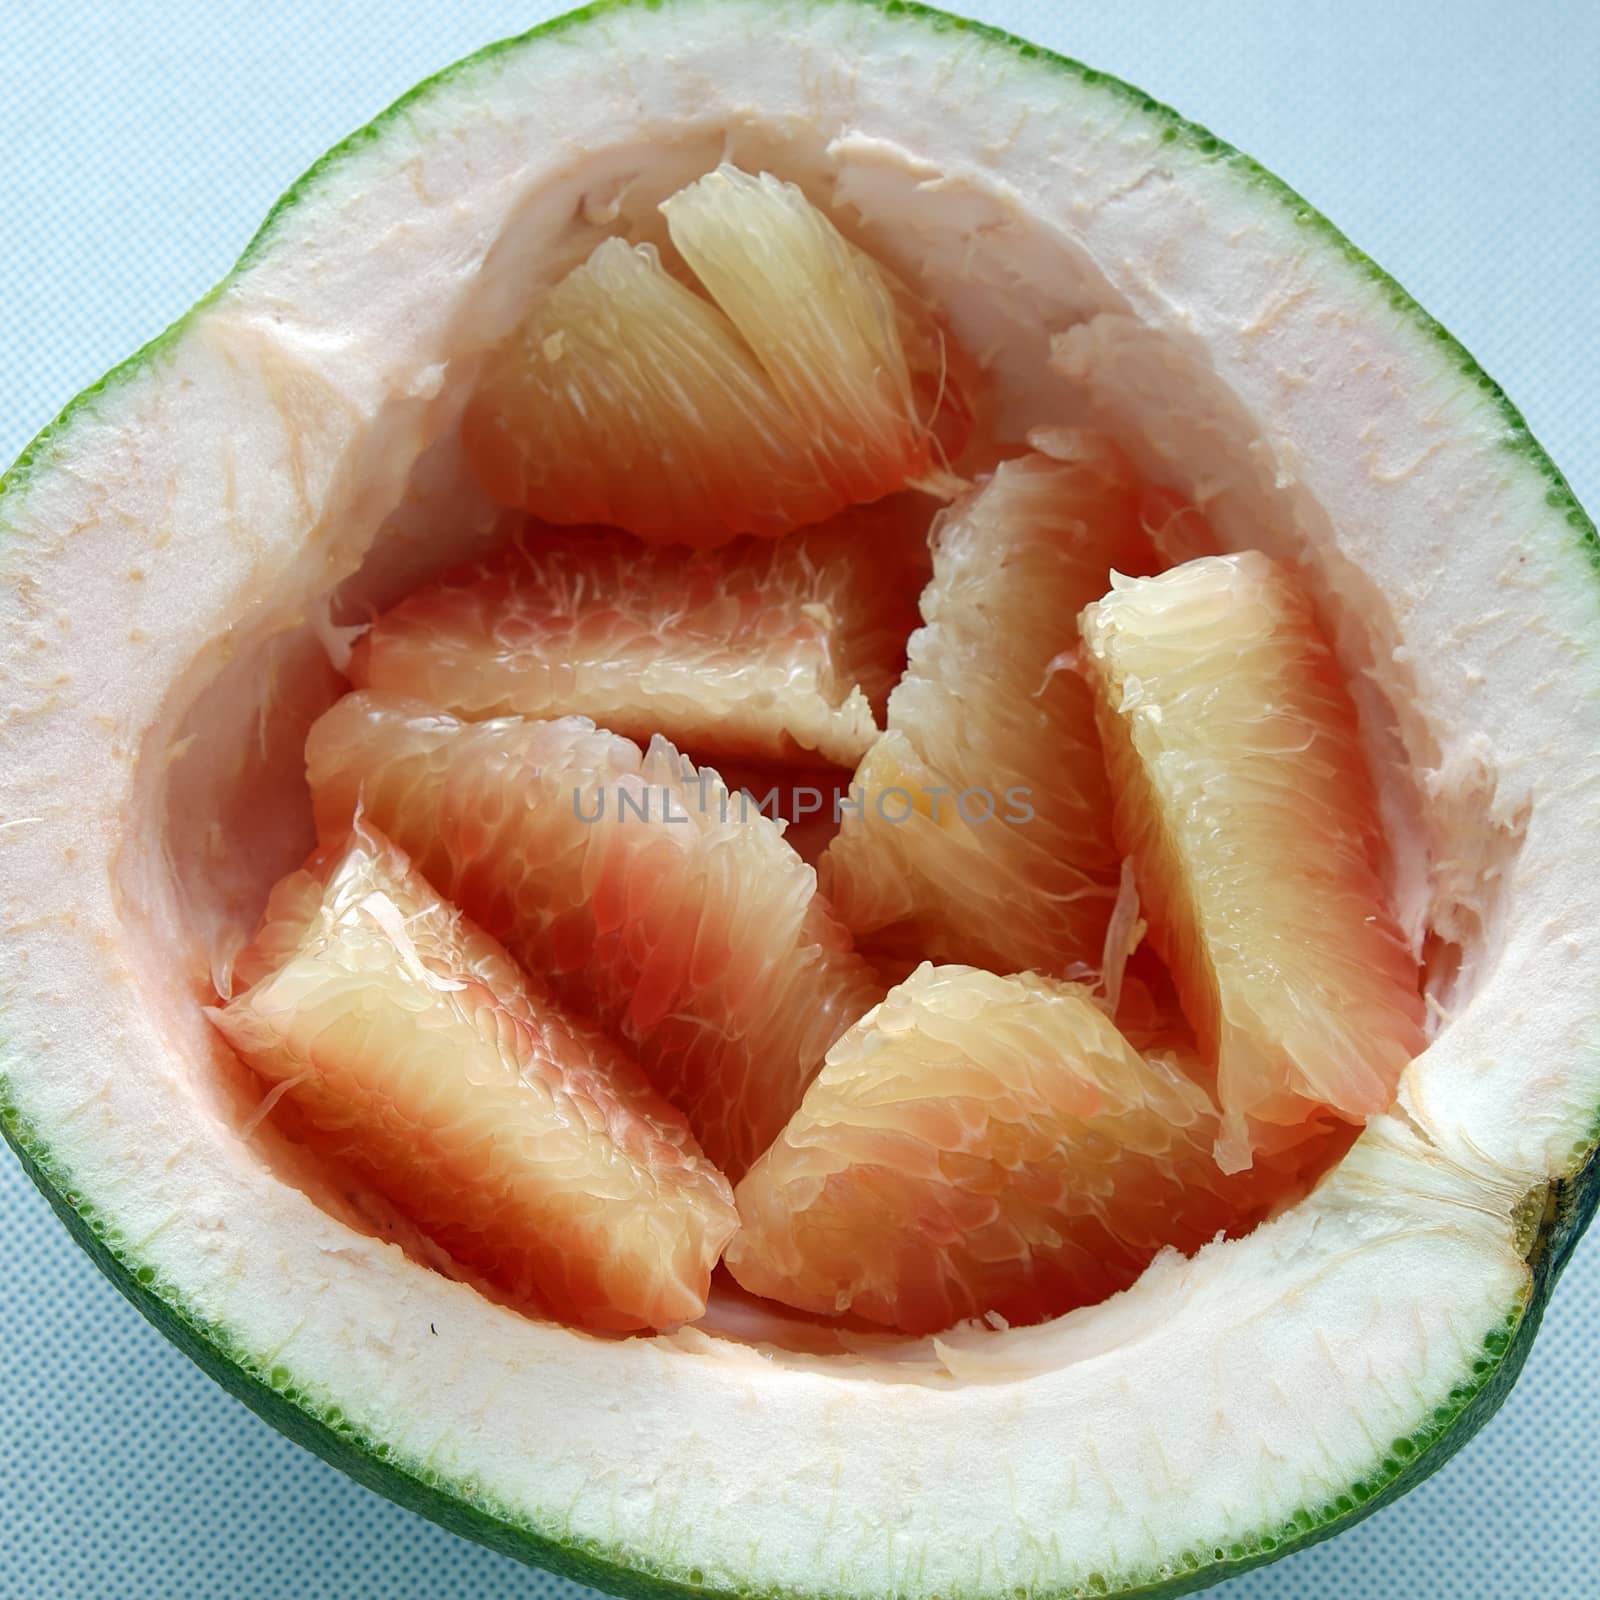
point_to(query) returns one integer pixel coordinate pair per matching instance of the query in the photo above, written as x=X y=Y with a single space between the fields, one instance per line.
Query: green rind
x=266 y=1390
x=1569 y=1206
x=458 y=1506
x=1518 y=439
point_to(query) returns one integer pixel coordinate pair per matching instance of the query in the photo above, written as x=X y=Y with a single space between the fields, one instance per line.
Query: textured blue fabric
x=142 y=142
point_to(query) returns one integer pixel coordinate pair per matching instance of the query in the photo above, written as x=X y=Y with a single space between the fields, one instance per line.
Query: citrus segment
x=858 y=360
x=627 y=398
x=407 y=1045
x=763 y=648
x=1243 y=796
x=633 y=883
x=984 y=1144
x=983 y=833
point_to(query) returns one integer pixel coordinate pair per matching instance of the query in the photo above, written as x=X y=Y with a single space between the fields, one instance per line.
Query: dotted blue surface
x=140 y=144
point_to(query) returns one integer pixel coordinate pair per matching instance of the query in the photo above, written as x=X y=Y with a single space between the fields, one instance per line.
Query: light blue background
x=139 y=146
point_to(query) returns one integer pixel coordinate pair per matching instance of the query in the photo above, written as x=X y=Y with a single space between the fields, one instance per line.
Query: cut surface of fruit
x=633 y=884
x=631 y=400
x=983 y=833
x=1242 y=796
x=296 y=442
x=767 y=648
x=406 y=1044
x=980 y=1144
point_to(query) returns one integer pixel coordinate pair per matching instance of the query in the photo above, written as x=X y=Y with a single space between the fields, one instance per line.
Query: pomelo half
x=300 y=431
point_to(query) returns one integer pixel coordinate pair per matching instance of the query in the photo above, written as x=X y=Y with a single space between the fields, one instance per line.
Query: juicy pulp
x=765 y=648
x=635 y=885
x=631 y=400
x=984 y=1145
x=1024 y=875
x=407 y=1045
x=1243 y=798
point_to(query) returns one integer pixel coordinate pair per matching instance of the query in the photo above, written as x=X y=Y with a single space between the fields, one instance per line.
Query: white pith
x=216 y=496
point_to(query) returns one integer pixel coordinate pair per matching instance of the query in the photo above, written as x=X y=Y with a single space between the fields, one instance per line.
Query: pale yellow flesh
x=1242 y=796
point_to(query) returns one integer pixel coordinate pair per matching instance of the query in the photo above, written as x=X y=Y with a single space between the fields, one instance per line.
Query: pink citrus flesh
x=404 y=1043
x=985 y=831
x=987 y=1146
x=1243 y=797
x=691 y=782
x=766 y=649
x=780 y=396
x=807 y=799
x=630 y=882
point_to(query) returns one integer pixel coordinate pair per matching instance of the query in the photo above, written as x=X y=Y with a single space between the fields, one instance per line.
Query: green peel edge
x=457 y=1504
